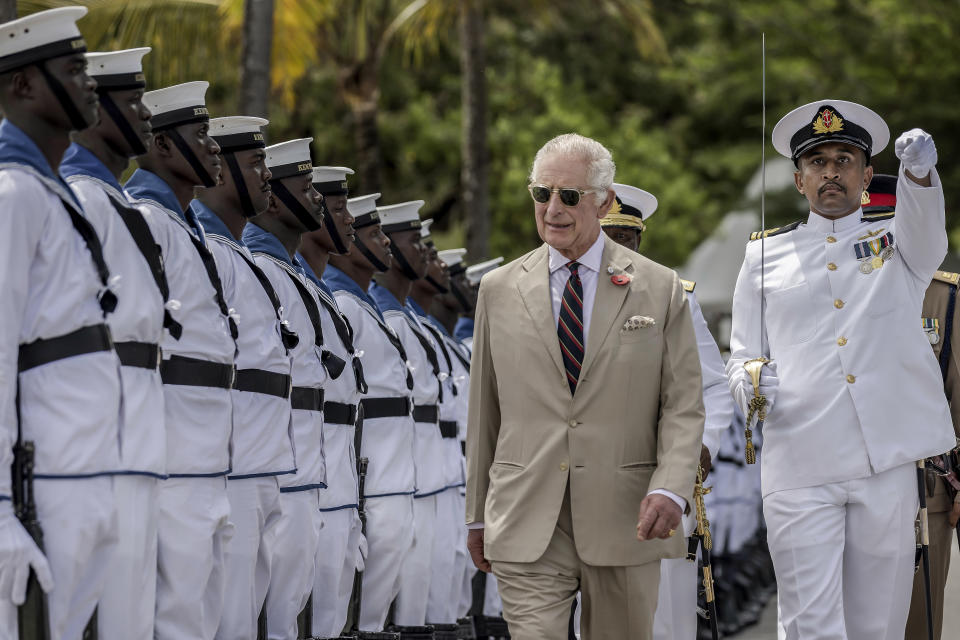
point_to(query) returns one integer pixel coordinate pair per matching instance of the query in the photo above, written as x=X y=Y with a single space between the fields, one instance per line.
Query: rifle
x=706 y=544
x=33 y=619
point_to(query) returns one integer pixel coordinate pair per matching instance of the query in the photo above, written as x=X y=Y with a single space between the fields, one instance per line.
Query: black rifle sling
x=150 y=250
x=210 y=265
x=395 y=341
x=290 y=338
x=430 y=351
x=948 y=333
x=333 y=363
x=345 y=333
x=108 y=300
x=443 y=348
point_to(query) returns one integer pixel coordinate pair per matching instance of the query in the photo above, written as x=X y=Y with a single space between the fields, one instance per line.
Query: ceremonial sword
x=758 y=404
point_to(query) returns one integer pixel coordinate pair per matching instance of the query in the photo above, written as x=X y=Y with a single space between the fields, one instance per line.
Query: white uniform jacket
x=860 y=391
x=717 y=401
x=198 y=419
x=137 y=318
x=49 y=287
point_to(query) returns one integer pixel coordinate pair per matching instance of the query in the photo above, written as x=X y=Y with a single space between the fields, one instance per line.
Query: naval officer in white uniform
x=855 y=393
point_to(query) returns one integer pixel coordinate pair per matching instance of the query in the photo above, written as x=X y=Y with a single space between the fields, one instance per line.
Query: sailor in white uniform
x=342 y=543
x=261 y=444
x=197 y=369
x=401 y=223
x=388 y=427
x=860 y=394
x=92 y=167
x=59 y=374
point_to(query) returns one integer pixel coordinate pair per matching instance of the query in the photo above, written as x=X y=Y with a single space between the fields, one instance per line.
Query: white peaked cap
x=643 y=201
x=362 y=205
x=289 y=152
x=404 y=215
x=230 y=125
x=179 y=96
x=40 y=29
x=452 y=257
x=476 y=271
x=425 y=228
x=331 y=174
x=108 y=63
x=829 y=121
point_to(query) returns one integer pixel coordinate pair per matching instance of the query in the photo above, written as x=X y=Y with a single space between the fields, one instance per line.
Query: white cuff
x=670 y=494
x=475 y=525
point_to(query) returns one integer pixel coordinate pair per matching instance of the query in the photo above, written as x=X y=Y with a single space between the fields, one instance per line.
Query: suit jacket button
x=851 y=378
x=563 y=466
x=838 y=303
x=573 y=424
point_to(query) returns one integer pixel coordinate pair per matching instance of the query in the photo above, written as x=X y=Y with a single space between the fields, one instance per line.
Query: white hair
x=599 y=161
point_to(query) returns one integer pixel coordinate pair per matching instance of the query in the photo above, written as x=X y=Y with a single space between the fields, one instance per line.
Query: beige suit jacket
x=634 y=424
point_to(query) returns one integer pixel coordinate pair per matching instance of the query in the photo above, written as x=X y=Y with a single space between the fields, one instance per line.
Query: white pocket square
x=638 y=322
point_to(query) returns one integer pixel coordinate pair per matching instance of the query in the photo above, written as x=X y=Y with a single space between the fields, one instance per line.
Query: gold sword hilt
x=757 y=406
x=703 y=524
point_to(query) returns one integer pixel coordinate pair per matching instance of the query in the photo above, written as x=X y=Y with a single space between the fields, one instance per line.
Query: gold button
x=838 y=303
x=573 y=423
x=851 y=379
x=563 y=466
x=831 y=239
x=841 y=341
x=832 y=266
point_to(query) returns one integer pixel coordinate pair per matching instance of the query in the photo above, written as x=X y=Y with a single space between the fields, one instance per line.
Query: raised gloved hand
x=18 y=553
x=769 y=384
x=917 y=152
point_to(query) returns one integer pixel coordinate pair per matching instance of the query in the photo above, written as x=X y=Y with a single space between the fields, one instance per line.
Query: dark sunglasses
x=569 y=196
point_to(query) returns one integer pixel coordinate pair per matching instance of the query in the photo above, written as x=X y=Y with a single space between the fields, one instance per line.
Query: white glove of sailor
x=769 y=384
x=358 y=542
x=917 y=152
x=18 y=553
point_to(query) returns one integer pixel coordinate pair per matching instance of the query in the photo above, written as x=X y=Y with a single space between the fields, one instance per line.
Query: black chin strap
x=76 y=118
x=458 y=295
x=295 y=206
x=331 y=226
x=374 y=260
x=405 y=267
x=205 y=178
x=135 y=142
x=436 y=285
x=246 y=204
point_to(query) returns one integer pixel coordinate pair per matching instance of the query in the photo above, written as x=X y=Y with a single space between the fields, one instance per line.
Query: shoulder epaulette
x=948 y=277
x=874 y=217
x=756 y=235
x=688 y=285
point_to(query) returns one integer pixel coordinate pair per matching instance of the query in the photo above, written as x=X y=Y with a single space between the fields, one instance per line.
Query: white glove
x=917 y=152
x=18 y=553
x=358 y=542
x=769 y=384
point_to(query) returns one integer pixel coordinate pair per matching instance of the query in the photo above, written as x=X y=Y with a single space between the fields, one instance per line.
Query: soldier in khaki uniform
x=941 y=323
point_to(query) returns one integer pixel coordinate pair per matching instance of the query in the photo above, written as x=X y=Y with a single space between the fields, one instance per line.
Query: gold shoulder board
x=688 y=285
x=948 y=277
x=766 y=233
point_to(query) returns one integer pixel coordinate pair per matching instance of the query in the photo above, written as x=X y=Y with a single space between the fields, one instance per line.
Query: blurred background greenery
x=448 y=100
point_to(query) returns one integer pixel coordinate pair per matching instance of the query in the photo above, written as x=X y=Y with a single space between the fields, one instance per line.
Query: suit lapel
x=608 y=301
x=534 y=286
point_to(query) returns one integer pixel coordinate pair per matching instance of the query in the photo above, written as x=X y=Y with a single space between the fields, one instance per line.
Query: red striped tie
x=570 y=326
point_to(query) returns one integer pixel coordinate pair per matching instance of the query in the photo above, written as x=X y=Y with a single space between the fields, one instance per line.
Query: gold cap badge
x=827 y=122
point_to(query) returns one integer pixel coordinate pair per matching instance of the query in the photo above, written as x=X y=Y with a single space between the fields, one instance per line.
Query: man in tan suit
x=586 y=414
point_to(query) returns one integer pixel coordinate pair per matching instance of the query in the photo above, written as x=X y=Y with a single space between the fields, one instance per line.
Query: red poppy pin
x=620 y=279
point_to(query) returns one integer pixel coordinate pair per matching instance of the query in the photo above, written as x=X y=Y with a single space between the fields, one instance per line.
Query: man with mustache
x=197 y=367
x=854 y=397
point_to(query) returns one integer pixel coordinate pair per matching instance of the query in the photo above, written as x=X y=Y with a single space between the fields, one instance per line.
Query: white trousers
x=450 y=536
x=192 y=532
x=389 y=541
x=843 y=555
x=291 y=569
x=335 y=565
x=416 y=572
x=254 y=511
x=77 y=518
x=676 y=615
x=129 y=599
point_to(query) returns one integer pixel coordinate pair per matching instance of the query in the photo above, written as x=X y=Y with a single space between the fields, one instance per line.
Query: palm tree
x=257 y=46
x=8 y=10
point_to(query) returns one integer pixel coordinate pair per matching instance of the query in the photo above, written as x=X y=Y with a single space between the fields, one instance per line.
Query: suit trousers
x=389 y=541
x=618 y=602
x=450 y=537
x=291 y=571
x=843 y=554
x=335 y=565
x=415 y=572
x=255 y=512
x=78 y=522
x=193 y=530
x=942 y=539
x=129 y=599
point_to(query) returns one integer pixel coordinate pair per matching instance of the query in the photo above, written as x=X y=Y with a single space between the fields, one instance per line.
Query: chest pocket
x=789 y=320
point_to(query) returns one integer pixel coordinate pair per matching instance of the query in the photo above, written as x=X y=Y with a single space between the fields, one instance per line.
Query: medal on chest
x=931 y=326
x=873 y=253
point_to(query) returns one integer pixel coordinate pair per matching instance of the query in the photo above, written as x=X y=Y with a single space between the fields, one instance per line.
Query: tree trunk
x=367 y=140
x=257 y=44
x=473 y=173
x=8 y=10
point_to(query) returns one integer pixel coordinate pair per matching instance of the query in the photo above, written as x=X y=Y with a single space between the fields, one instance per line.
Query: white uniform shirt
x=198 y=419
x=262 y=441
x=860 y=391
x=388 y=443
x=70 y=407
x=137 y=318
x=717 y=401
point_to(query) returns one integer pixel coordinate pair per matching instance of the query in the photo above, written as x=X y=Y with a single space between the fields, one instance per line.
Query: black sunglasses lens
x=569 y=197
x=540 y=194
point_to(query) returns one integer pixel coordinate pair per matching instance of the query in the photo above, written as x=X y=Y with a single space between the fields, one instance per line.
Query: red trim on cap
x=882 y=200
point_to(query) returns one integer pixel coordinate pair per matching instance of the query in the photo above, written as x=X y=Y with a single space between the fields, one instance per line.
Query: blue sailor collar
x=259 y=240
x=386 y=300
x=308 y=271
x=435 y=322
x=463 y=329
x=146 y=185
x=211 y=222
x=417 y=309
x=16 y=147
x=80 y=161
x=339 y=281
